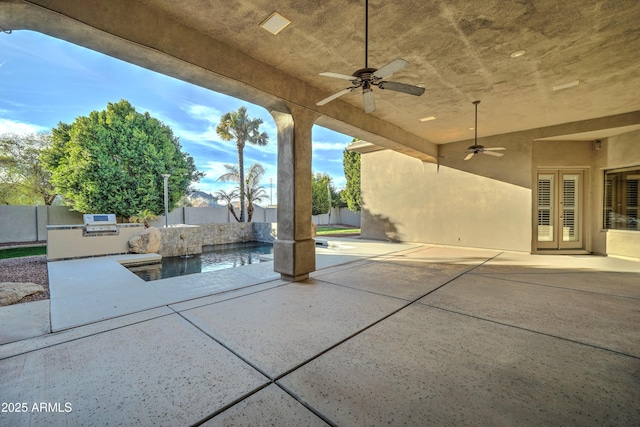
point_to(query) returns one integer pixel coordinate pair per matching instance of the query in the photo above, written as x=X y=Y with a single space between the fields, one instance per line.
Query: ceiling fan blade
x=338 y=76
x=401 y=87
x=335 y=95
x=369 y=101
x=492 y=153
x=390 y=68
x=495 y=149
x=470 y=155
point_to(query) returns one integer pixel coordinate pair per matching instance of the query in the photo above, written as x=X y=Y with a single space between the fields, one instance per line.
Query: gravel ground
x=27 y=269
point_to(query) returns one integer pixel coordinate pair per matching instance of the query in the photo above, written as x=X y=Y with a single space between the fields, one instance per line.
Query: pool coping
x=89 y=290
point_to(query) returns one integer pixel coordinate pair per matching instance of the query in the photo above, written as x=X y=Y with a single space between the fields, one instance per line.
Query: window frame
x=620 y=199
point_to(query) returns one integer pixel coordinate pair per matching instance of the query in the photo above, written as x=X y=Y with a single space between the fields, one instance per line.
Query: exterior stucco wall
x=69 y=241
x=617 y=152
x=408 y=200
x=492 y=204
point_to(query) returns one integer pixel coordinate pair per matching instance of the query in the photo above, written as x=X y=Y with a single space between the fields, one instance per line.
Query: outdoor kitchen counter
x=72 y=241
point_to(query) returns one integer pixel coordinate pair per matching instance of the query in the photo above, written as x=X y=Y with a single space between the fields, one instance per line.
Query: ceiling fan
x=479 y=149
x=367 y=77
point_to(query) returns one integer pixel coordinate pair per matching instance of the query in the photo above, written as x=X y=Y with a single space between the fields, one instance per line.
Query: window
x=621 y=199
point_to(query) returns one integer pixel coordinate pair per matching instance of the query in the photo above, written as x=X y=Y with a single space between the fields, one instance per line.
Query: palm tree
x=237 y=125
x=254 y=192
x=229 y=198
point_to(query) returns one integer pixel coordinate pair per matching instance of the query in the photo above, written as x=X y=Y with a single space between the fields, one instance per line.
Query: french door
x=559 y=206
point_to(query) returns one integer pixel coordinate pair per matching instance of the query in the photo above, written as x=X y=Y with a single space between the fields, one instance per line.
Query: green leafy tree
x=236 y=125
x=352 y=194
x=23 y=180
x=112 y=161
x=253 y=192
x=320 y=202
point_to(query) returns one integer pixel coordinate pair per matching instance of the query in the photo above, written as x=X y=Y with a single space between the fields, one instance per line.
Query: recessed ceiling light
x=567 y=85
x=518 y=53
x=275 y=23
x=426 y=119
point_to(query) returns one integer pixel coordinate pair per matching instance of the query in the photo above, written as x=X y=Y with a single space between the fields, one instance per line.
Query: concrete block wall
x=29 y=223
x=18 y=224
x=55 y=215
x=265 y=215
x=198 y=216
x=338 y=216
x=176 y=216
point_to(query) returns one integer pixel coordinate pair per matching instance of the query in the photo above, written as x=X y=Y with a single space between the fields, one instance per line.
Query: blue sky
x=44 y=81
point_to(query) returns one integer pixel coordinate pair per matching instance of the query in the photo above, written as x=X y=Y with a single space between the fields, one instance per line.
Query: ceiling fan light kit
x=367 y=77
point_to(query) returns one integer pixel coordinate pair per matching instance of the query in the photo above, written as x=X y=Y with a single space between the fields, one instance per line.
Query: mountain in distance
x=200 y=199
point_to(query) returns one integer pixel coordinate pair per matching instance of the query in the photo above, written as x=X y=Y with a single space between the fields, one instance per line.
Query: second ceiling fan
x=480 y=149
x=367 y=77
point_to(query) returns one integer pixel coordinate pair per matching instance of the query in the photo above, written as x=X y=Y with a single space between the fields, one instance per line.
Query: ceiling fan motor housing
x=365 y=73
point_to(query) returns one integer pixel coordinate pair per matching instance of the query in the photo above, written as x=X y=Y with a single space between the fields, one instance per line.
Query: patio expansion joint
x=274 y=380
x=620 y=353
x=224 y=292
x=506 y=279
x=365 y=328
x=329 y=282
x=393 y=262
x=271 y=380
x=69 y=331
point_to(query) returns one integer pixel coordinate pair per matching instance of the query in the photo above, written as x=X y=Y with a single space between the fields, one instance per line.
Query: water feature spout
x=186 y=248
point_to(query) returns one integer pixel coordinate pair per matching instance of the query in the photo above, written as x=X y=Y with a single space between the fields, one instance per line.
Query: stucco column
x=294 y=248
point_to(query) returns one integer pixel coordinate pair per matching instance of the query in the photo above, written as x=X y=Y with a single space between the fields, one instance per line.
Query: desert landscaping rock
x=147 y=242
x=31 y=269
x=11 y=292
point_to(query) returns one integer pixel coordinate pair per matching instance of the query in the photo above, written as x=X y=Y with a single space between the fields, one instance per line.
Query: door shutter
x=545 y=205
x=569 y=207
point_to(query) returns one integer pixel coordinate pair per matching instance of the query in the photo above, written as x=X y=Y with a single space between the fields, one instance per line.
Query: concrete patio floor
x=401 y=335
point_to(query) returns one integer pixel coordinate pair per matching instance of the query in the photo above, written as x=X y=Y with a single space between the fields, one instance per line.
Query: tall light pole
x=166 y=199
x=329 y=193
x=271 y=195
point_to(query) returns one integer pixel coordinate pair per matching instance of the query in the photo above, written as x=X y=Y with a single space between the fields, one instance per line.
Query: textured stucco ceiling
x=458 y=49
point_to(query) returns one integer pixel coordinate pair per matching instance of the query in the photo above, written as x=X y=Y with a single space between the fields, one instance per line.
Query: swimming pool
x=213 y=258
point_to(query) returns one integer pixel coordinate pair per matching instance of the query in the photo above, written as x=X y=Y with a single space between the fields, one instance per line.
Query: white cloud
x=339 y=182
x=328 y=145
x=202 y=112
x=11 y=126
x=204 y=136
x=207 y=137
x=213 y=188
x=214 y=169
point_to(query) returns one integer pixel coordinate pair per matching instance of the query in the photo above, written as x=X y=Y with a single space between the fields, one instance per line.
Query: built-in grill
x=100 y=224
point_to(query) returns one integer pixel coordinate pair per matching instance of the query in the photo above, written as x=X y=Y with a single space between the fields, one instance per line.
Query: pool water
x=213 y=258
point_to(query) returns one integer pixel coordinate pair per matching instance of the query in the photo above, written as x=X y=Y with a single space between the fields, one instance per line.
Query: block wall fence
x=29 y=223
